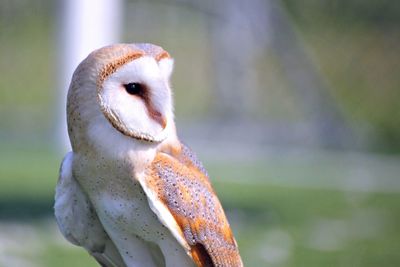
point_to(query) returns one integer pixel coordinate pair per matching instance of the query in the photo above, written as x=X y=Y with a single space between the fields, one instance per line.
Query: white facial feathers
x=145 y=115
x=166 y=67
x=101 y=108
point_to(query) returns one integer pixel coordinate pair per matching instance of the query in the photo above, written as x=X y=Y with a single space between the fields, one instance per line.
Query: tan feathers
x=180 y=184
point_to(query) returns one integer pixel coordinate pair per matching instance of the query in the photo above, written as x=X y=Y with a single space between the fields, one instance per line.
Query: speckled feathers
x=129 y=177
x=181 y=183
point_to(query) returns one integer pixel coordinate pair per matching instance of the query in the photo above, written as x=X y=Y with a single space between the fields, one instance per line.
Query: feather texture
x=178 y=181
x=130 y=193
x=78 y=220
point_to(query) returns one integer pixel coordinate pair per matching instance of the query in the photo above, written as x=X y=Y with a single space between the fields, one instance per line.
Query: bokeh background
x=293 y=106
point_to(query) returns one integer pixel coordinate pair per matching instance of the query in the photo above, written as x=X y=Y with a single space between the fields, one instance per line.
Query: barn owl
x=130 y=192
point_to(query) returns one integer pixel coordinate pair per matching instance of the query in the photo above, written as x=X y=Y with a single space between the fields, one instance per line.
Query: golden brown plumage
x=181 y=183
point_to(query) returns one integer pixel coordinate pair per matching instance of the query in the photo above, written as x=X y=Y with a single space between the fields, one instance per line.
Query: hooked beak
x=158 y=117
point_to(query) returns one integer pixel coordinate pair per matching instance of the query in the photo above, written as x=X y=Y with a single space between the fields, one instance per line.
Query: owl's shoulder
x=180 y=187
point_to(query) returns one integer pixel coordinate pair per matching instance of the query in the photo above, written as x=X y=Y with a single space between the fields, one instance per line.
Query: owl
x=130 y=192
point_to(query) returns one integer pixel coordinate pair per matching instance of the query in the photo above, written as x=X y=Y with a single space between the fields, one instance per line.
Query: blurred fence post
x=84 y=25
x=236 y=43
x=241 y=32
x=323 y=116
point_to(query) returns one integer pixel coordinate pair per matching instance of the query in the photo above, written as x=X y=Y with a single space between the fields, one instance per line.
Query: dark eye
x=134 y=88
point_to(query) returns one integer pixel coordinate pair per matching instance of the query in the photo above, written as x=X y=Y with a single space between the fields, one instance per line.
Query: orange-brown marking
x=137 y=50
x=153 y=51
x=113 y=66
x=162 y=55
x=152 y=111
x=187 y=193
x=157 y=116
x=200 y=255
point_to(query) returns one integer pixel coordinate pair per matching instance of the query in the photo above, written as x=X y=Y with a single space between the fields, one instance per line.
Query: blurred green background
x=302 y=144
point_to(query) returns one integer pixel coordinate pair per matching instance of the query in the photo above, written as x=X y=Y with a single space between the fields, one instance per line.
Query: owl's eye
x=134 y=88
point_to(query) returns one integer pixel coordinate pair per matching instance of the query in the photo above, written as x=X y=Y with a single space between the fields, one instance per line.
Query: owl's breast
x=121 y=203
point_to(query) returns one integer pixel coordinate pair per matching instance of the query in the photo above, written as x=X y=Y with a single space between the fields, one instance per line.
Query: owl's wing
x=181 y=195
x=78 y=220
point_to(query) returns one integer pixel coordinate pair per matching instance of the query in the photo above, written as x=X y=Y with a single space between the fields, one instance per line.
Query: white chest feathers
x=123 y=211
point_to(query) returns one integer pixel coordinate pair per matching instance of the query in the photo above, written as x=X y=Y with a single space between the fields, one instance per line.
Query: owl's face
x=126 y=88
x=136 y=98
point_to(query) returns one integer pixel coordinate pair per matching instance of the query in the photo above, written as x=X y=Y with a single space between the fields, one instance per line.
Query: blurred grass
x=301 y=212
x=276 y=224
x=27 y=173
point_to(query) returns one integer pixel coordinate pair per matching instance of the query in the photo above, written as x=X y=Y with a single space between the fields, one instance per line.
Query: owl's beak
x=162 y=121
x=155 y=114
x=158 y=117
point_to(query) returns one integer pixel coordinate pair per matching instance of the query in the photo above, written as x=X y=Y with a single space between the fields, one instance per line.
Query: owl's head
x=122 y=90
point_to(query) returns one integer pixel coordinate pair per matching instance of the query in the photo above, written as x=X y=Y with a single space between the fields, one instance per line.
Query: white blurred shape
x=19 y=244
x=276 y=247
x=329 y=235
x=84 y=25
